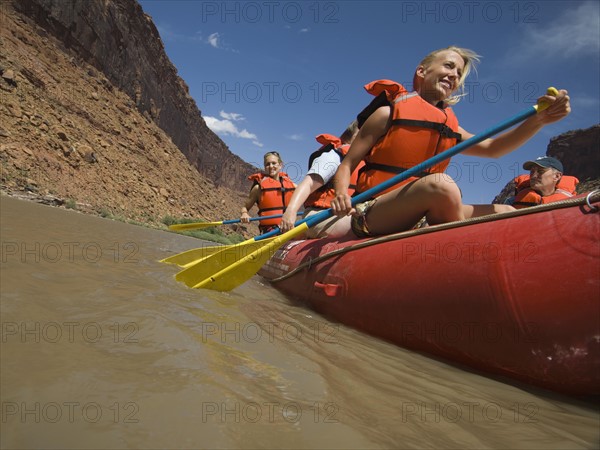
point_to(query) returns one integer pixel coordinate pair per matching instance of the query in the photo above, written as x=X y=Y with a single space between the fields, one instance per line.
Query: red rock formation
x=119 y=40
x=70 y=135
x=579 y=151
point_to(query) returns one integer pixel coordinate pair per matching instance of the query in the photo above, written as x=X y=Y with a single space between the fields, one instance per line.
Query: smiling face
x=438 y=79
x=272 y=164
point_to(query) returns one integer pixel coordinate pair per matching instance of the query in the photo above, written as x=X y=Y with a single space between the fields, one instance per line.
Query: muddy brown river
x=102 y=348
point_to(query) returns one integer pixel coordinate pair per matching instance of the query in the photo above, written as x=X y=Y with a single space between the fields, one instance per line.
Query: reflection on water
x=102 y=348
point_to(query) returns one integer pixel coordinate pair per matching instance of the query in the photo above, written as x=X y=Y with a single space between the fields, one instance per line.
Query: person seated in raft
x=544 y=184
x=387 y=141
x=271 y=190
x=315 y=191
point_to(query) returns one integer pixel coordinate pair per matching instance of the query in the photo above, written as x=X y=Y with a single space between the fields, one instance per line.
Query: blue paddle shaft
x=364 y=196
x=228 y=222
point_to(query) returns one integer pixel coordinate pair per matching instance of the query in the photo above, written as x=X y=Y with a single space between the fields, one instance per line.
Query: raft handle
x=587 y=200
x=330 y=290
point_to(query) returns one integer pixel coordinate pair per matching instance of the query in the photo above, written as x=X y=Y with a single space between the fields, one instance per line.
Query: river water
x=102 y=348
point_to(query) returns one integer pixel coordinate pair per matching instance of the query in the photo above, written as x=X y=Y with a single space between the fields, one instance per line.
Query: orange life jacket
x=321 y=198
x=274 y=196
x=417 y=132
x=525 y=196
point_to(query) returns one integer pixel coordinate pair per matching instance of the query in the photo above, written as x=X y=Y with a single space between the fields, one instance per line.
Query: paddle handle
x=544 y=105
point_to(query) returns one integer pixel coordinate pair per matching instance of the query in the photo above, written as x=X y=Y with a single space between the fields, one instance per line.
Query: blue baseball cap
x=544 y=161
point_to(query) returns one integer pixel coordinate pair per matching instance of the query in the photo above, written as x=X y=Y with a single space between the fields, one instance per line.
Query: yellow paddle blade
x=200 y=269
x=193 y=226
x=195 y=255
x=231 y=276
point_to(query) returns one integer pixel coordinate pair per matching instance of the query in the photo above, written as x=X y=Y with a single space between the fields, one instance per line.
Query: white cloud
x=295 y=137
x=304 y=30
x=213 y=40
x=226 y=126
x=576 y=33
x=231 y=116
x=245 y=134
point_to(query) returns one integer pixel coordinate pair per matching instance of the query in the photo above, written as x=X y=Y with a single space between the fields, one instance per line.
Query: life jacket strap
x=441 y=128
x=562 y=191
x=390 y=169
x=281 y=189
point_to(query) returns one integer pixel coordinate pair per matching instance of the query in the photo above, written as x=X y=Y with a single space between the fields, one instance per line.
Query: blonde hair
x=469 y=57
x=274 y=154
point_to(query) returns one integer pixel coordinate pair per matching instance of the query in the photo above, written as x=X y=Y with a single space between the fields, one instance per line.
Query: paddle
x=223 y=270
x=195 y=255
x=199 y=225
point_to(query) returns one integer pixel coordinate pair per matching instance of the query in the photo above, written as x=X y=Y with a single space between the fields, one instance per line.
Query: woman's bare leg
x=484 y=210
x=435 y=196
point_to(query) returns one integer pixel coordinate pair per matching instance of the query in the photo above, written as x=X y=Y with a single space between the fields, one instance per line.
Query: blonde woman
x=271 y=190
x=413 y=128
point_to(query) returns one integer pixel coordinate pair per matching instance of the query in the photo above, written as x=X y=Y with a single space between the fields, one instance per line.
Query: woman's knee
x=442 y=186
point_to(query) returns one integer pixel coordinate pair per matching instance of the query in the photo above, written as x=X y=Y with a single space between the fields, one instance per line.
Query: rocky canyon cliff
x=93 y=111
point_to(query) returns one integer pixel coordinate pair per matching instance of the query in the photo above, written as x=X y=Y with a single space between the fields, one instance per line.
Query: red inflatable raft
x=515 y=294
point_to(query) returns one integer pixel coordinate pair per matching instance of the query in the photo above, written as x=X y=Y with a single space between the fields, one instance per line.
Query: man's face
x=543 y=179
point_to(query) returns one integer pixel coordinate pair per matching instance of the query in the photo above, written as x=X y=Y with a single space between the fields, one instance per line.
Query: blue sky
x=271 y=75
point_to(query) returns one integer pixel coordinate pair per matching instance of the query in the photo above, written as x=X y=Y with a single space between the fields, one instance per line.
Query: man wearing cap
x=544 y=184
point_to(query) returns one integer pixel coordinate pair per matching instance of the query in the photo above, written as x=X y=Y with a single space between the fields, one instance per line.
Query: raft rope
x=592 y=197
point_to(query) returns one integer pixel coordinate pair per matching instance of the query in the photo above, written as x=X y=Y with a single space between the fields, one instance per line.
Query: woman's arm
x=320 y=173
x=372 y=130
x=509 y=141
x=307 y=186
x=250 y=202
